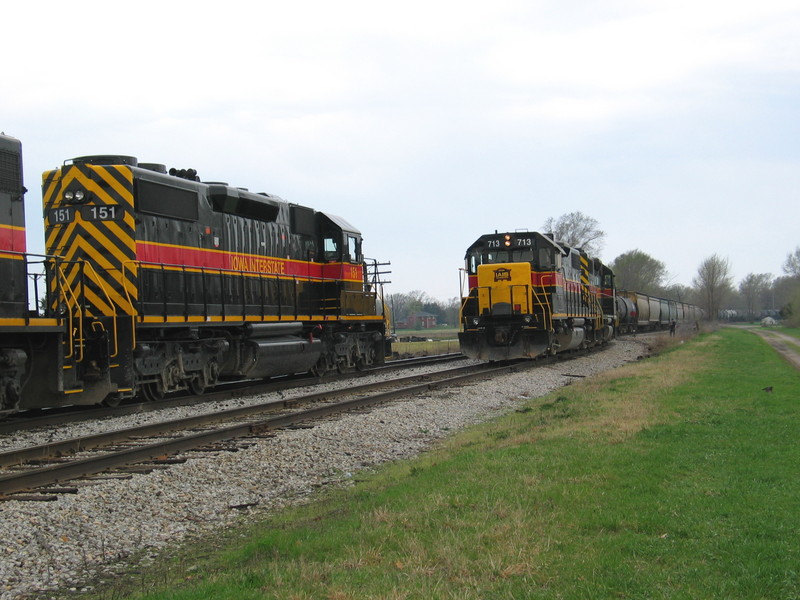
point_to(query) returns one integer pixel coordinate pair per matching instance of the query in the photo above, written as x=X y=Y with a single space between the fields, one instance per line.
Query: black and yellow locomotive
x=29 y=341
x=529 y=295
x=165 y=283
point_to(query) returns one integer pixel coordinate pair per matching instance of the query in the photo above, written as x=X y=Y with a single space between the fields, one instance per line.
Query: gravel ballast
x=66 y=544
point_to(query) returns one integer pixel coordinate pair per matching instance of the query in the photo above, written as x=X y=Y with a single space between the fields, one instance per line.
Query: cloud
x=436 y=121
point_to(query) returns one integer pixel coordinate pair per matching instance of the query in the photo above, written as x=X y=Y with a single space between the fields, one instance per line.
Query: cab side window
x=331 y=248
x=353 y=250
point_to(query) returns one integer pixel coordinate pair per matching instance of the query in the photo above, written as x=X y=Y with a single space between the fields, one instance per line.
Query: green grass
x=676 y=477
x=435 y=333
x=431 y=348
x=793 y=331
x=444 y=340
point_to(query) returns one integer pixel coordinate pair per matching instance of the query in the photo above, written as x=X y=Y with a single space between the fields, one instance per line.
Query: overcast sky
x=427 y=124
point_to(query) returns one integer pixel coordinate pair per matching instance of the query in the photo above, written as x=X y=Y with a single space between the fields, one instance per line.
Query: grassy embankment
x=792 y=331
x=443 y=340
x=676 y=477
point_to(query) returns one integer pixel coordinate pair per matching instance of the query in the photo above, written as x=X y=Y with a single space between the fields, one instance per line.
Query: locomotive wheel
x=152 y=392
x=111 y=401
x=324 y=365
x=363 y=361
x=197 y=386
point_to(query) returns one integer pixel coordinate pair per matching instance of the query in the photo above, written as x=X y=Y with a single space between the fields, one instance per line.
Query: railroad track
x=76 y=414
x=42 y=467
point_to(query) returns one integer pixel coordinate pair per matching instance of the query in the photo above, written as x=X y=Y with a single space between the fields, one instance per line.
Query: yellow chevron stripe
x=50 y=180
x=98 y=302
x=113 y=285
x=124 y=237
x=114 y=183
x=58 y=234
x=68 y=252
x=108 y=245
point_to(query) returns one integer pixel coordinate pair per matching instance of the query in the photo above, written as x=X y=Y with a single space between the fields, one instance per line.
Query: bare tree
x=638 y=271
x=577 y=230
x=752 y=289
x=782 y=291
x=679 y=292
x=713 y=283
x=792 y=264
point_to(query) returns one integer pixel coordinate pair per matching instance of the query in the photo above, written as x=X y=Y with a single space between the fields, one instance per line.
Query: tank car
x=169 y=283
x=530 y=295
x=638 y=312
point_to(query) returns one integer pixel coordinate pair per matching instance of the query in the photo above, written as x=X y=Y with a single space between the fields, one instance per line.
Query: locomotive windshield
x=539 y=259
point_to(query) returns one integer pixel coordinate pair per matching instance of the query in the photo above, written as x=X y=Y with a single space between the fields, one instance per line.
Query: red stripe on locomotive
x=200 y=258
x=542 y=279
x=12 y=239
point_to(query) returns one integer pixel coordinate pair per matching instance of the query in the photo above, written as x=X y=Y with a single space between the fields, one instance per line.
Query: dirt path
x=786 y=345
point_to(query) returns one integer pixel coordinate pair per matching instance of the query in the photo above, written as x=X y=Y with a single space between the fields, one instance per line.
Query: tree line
x=712 y=288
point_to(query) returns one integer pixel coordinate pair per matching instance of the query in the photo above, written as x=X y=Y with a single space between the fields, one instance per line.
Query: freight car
x=530 y=295
x=638 y=312
x=156 y=282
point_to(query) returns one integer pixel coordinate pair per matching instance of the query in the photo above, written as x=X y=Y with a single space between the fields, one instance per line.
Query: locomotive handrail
x=593 y=305
x=25 y=258
x=547 y=309
x=64 y=288
x=464 y=300
x=130 y=300
x=111 y=304
x=239 y=279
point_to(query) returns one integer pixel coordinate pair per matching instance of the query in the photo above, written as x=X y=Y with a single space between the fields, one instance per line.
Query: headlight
x=76 y=197
x=474 y=321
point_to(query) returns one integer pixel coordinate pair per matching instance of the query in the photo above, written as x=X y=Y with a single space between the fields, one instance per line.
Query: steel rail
x=69 y=446
x=59 y=473
x=223 y=391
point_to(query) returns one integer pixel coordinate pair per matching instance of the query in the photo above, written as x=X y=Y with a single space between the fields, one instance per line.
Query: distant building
x=418 y=320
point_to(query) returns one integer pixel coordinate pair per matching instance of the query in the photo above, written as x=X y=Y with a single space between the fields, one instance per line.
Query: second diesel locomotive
x=530 y=295
x=30 y=342
x=168 y=283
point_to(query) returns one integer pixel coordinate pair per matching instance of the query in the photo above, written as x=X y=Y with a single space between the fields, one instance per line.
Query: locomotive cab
x=341 y=241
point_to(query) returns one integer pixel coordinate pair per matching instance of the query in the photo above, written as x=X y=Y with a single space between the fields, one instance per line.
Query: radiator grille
x=10 y=173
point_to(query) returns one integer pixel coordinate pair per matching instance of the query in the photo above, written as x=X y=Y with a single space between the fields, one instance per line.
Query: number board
x=513 y=241
x=66 y=214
